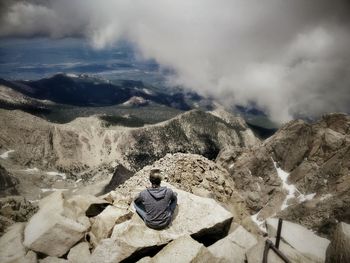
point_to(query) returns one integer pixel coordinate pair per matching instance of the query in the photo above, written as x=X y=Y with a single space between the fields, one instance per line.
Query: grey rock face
x=339 y=249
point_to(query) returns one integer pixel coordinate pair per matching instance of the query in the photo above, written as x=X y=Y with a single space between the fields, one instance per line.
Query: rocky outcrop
x=85 y=142
x=339 y=248
x=300 y=173
x=194 y=174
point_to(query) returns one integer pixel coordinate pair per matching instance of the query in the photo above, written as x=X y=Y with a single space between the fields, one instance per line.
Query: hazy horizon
x=288 y=58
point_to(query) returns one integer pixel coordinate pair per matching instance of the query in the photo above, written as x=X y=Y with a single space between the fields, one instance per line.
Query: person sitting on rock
x=156 y=205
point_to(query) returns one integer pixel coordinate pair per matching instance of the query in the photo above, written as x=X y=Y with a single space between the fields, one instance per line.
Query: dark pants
x=140 y=209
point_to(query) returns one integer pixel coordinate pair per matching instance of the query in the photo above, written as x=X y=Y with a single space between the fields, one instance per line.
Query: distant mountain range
x=64 y=97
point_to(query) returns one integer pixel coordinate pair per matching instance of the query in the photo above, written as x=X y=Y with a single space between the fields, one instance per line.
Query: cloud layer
x=288 y=57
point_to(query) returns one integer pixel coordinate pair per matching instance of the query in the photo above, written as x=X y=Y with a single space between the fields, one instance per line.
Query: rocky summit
x=67 y=190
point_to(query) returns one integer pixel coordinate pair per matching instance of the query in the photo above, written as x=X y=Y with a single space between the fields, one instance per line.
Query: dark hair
x=155 y=177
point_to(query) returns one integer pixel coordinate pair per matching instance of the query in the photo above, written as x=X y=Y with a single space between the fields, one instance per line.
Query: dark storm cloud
x=287 y=56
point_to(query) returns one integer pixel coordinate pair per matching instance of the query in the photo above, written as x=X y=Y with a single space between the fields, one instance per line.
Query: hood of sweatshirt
x=158 y=193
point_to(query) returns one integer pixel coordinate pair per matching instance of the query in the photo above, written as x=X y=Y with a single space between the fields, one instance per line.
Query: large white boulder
x=338 y=250
x=233 y=247
x=300 y=238
x=184 y=250
x=79 y=253
x=11 y=247
x=103 y=223
x=202 y=218
x=56 y=227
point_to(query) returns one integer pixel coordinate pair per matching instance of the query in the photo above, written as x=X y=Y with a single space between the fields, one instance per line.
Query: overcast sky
x=287 y=56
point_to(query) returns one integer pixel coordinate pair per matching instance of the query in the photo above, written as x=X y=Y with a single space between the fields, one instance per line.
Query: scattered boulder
x=56 y=227
x=79 y=253
x=300 y=238
x=233 y=247
x=11 y=244
x=184 y=250
x=338 y=250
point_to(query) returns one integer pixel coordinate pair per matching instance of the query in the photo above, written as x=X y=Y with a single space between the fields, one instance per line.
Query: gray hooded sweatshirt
x=156 y=203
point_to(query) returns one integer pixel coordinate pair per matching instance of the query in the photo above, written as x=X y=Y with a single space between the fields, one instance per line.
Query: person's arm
x=138 y=199
x=174 y=197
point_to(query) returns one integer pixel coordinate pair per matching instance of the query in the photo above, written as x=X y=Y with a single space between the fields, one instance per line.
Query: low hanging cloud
x=287 y=57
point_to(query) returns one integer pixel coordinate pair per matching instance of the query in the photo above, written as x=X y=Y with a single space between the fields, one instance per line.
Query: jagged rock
x=79 y=253
x=103 y=223
x=233 y=247
x=131 y=239
x=7 y=183
x=300 y=238
x=255 y=254
x=53 y=260
x=88 y=204
x=56 y=227
x=317 y=157
x=120 y=175
x=184 y=250
x=338 y=250
x=15 y=209
x=11 y=247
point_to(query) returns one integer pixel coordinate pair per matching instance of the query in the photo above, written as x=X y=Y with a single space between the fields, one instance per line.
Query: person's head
x=155 y=177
